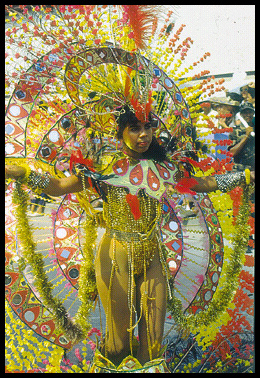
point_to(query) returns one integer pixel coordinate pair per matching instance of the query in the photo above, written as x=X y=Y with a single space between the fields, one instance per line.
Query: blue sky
x=226 y=31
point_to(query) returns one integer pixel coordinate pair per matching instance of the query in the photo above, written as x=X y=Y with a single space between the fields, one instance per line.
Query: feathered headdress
x=143 y=20
x=142 y=110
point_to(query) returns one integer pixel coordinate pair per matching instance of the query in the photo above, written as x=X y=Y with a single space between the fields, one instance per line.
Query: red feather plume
x=77 y=158
x=185 y=185
x=134 y=205
x=142 y=110
x=128 y=82
x=143 y=21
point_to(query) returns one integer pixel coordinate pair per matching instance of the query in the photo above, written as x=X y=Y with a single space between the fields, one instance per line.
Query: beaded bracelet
x=229 y=181
x=38 y=182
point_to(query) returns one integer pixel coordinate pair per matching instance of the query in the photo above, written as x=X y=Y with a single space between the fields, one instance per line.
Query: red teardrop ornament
x=136 y=175
x=163 y=172
x=121 y=167
x=153 y=181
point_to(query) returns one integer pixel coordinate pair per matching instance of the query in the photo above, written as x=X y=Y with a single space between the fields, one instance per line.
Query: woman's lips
x=143 y=144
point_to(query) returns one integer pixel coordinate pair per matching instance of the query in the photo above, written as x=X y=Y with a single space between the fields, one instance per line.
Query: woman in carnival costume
x=131 y=270
x=137 y=179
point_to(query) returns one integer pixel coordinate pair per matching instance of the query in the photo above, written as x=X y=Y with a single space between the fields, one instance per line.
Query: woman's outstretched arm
x=59 y=187
x=225 y=182
x=56 y=186
x=205 y=184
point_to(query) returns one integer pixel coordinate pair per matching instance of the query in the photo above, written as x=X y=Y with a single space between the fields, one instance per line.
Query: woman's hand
x=14 y=172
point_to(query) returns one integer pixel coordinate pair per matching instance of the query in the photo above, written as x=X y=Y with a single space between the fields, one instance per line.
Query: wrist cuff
x=229 y=181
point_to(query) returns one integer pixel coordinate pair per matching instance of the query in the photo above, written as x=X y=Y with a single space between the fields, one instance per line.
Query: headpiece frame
x=127 y=78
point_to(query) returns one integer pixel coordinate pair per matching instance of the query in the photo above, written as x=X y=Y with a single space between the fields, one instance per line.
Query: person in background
x=243 y=137
x=37 y=205
x=243 y=150
x=248 y=93
x=243 y=93
x=204 y=123
x=226 y=110
x=235 y=94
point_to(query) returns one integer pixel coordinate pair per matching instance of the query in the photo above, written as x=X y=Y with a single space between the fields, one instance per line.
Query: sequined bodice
x=118 y=216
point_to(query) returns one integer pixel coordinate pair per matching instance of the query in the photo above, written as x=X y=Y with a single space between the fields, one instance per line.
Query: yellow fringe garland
x=229 y=278
x=75 y=332
x=87 y=281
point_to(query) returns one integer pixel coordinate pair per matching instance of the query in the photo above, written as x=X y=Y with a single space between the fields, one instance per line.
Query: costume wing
x=193 y=239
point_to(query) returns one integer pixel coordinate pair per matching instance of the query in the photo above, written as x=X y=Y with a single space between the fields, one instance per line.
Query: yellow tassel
x=247 y=174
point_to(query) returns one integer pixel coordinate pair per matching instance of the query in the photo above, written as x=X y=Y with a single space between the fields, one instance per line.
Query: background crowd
x=226 y=129
x=233 y=114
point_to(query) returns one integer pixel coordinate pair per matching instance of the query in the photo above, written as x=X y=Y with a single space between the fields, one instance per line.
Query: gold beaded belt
x=131 y=236
x=145 y=246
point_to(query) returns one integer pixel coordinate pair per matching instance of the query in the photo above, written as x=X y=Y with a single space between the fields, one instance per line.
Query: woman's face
x=248 y=115
x=226 y=112
x=244 y=92
x=137 y=138
x=223 y=109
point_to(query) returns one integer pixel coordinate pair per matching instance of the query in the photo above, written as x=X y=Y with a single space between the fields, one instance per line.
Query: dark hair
x=126 y=116
x=155 y=150
x=251 y=91
x=246 y=105
x=235 y=96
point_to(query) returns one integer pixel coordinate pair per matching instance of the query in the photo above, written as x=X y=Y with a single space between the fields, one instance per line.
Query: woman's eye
x=133 y=128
